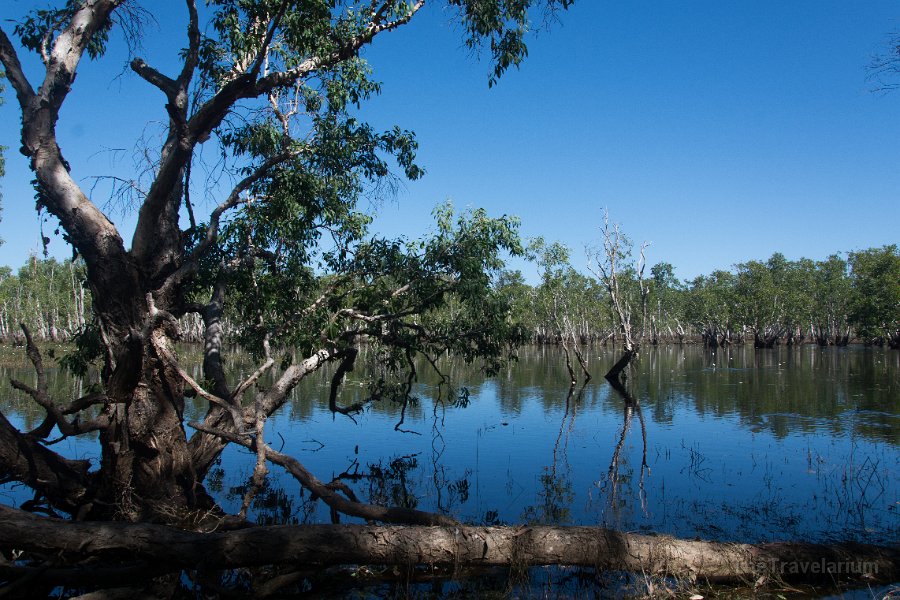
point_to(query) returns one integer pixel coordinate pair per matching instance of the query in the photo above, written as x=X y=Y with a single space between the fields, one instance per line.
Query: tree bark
x=62 y=481
x=175 y=549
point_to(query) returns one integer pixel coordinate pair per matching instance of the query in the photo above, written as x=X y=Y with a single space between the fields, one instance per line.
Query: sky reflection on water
x=779 y=444
x=741 y=445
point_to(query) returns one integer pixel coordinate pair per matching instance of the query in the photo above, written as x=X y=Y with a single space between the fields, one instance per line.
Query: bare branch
x=166 y=84
x=254 y=377
x=193 y=53
x=260 y=471
x=237 y=416
x=205 y=448
x=55 y=415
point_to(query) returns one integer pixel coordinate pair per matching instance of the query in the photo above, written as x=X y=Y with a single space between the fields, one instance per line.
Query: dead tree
x=609 y=266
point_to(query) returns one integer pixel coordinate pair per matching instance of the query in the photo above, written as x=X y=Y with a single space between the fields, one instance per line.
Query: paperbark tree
x=831 y=302
x=270 y=85
x=711 y=302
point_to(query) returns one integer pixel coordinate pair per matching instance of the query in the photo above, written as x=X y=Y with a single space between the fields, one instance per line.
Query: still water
x=737 y=444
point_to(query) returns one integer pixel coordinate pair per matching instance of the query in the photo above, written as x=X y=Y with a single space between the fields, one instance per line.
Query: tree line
x=829 y=302
x=769 y=302
x=48 y=296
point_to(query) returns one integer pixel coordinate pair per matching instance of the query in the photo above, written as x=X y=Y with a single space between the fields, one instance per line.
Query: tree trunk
x=162 y=547
x=146 y=471
x=615 y=373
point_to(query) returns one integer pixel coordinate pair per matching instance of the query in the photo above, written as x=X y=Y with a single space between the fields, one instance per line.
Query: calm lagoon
x=735 y=444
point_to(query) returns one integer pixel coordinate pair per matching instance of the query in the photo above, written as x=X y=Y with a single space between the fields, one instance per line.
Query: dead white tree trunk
x=606 y=265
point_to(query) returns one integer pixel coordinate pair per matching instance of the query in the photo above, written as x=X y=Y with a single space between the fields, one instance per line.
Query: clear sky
x=719 y=131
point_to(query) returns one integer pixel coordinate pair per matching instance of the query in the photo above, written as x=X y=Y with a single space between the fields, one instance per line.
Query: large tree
x=272 y=86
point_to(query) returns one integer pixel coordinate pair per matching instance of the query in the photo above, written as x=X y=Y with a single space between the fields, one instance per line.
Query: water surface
x=736 y=444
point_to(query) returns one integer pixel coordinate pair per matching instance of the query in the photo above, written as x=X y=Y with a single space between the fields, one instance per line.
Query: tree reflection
x=555 y=493
x=631 y=407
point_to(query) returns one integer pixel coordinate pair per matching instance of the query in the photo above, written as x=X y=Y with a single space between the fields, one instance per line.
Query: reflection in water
x=737 y=444
x=611 y=486
x=555 y=494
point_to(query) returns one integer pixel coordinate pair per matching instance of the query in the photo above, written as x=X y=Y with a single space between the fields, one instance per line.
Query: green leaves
x=39 y=28
x=501 y=26
x=875 y=307
x=427 y=296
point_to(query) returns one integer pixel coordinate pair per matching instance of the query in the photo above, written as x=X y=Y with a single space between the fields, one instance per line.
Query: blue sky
x=719 y=132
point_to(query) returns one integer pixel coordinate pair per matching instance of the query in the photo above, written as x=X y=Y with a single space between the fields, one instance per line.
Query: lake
x=730 y=444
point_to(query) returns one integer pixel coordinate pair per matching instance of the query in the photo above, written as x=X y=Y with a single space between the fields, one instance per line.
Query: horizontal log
x=450 y=546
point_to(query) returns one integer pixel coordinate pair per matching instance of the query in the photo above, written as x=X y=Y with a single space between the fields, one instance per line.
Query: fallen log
x=168 y=547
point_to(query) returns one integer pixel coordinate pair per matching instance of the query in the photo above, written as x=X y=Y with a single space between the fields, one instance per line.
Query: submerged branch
x=327 y=494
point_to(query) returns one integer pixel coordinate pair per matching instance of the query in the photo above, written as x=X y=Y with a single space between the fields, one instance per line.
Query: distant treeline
x=50 y=298
x=777 y=301
x=46 y=295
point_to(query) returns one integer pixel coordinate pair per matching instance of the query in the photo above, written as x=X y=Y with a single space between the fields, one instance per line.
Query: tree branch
x=42 y=397
x=178 y=149
x=235 y=412
x=270 y=34
x=328 y=495
x=192 y=261
x=205 y=447
x=453 y=546
x=62 y=481
x=95 y=238
x=70 y=45
x=193 y=54
x=347 y=362
x=254 y=377
x=14 y=72
x=166 y=84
